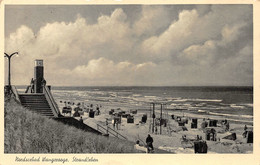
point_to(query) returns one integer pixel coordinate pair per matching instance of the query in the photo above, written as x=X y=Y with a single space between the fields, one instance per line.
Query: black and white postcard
x=124 y=82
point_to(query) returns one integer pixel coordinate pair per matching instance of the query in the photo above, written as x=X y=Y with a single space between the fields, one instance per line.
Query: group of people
x=116 y=124
x=32 y=84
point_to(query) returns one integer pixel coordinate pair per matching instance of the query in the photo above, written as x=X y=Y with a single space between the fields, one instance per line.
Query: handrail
x=28 y=88
x=51 y=101
x=116 y=133
x=15 y=92
x=99 y=126
x=111 y=131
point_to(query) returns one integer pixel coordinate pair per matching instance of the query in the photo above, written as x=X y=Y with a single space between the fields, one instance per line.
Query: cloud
x=106 y=72
x=174 y=38
x=209 y=45
x=152 y=20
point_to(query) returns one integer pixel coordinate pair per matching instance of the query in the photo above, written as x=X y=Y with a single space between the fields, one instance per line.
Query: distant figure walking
x=149 y=142
x=227 y=126
x=32 y=85
x=117 y=124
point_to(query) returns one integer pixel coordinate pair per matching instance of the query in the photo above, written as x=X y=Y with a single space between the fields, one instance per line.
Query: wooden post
x=153 y=117
x=161 y=120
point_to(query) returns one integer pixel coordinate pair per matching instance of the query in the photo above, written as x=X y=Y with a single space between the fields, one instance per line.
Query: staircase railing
x=109 y=130
x=15 y=93
x=51 y=101
x=101 y=128
x=28 y=88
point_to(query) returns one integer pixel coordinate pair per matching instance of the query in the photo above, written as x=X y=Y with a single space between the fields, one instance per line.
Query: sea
x=234 y=103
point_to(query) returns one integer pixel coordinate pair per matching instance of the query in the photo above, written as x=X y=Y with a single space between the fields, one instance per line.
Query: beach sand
x=170 y=138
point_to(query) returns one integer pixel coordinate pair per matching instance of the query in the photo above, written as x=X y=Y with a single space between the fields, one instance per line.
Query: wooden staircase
x=44 y=104
x=36 y=102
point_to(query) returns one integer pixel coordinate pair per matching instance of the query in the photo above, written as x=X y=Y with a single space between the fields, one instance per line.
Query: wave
x=113 y=95
x=232 y=115
x=137 y=95
x=180 y=100
x=248 y=105
x=202 y=111
x=172 y=98
x=200 y=105
x=198 y=100
x=241 y=120
x=150 y=96
x=206 y=100
x=237 y=106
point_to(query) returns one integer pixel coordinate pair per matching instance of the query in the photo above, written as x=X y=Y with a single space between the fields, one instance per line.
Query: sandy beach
x=171 y=135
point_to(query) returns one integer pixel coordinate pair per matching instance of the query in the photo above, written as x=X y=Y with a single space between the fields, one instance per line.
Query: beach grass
x=28 y=132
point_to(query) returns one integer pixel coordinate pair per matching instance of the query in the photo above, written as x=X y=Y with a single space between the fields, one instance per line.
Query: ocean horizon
x=231 y=102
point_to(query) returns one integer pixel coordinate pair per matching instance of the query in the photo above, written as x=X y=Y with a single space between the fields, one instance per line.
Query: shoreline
x=202 y=116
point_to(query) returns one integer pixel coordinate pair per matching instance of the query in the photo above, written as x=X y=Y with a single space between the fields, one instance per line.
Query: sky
x=131 y=45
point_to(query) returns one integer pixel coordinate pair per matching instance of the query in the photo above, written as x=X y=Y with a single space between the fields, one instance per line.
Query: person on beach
x=227 y=126
x=225 y=121
x=245 y=132
x=116 y=124
x=198 y=137
x=81 y=120
x=245 y=128
x=149 y=142
x=98 y=111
